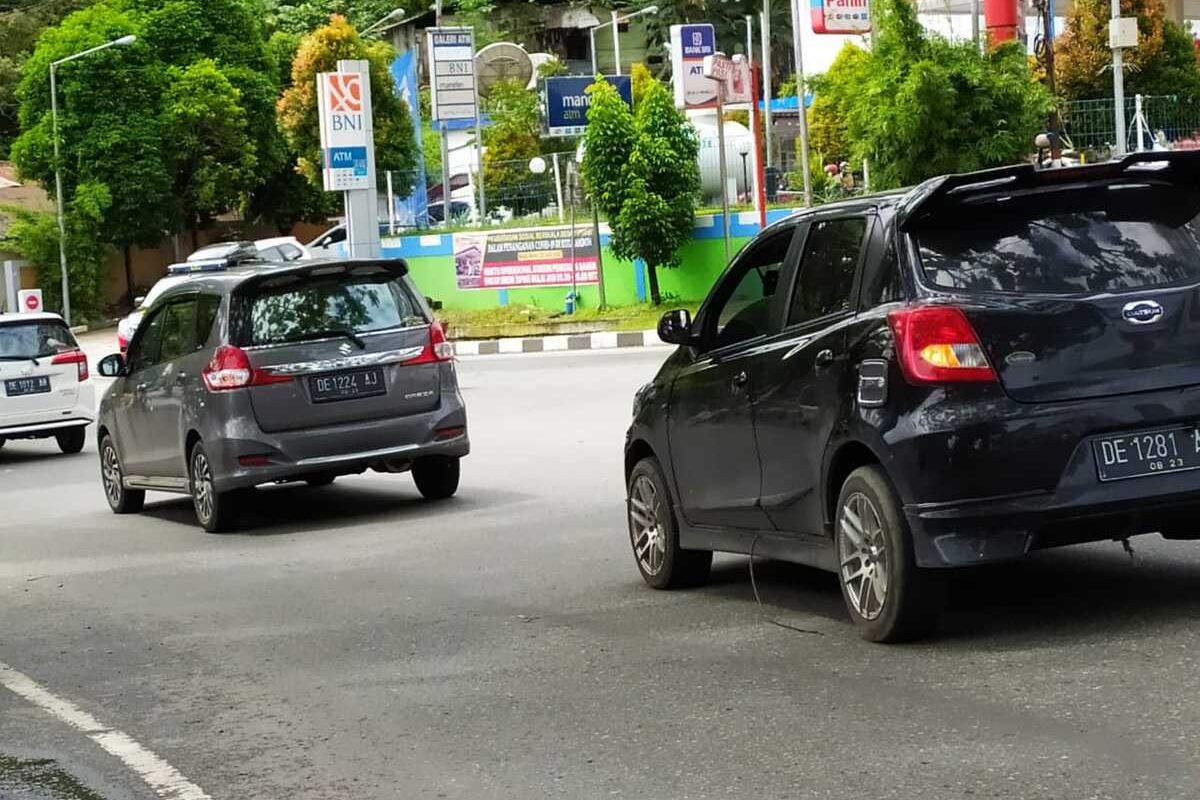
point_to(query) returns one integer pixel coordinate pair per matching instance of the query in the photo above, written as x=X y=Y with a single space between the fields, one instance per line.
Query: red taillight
x=438 y=348
x=229 y=368
x=76 y=357
x=254 y=461
x=936 y=344
x=452 y=432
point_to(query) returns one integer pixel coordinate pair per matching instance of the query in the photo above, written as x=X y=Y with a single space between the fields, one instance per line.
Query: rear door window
x=178 y=330
x=34 y=339
x=831 y=254
x=307 y=306
x=1102 y=239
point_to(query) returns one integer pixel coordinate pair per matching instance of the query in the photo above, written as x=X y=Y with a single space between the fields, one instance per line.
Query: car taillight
x=936 y=344
x=437 y=349
x=229 y=368
x=76 y=357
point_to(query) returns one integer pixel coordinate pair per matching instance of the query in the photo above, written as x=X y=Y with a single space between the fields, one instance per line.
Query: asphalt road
x=356 y=642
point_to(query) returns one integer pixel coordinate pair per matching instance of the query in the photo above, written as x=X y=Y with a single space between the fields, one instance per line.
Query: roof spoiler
x=1179 y=166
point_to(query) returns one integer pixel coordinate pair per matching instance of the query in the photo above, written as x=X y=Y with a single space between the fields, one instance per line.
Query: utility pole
x=764 y=29
x=1118 y=68
x=797 y=48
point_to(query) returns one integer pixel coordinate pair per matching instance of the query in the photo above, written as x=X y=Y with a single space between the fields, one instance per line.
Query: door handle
x=740 y=380
x=823 y=359
x=140 y=388
x=180 y=376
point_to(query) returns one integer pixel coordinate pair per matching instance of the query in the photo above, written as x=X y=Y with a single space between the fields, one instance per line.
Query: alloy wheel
x=645 y=526
x=202 y=486
x=863 y=553
x=110 y=471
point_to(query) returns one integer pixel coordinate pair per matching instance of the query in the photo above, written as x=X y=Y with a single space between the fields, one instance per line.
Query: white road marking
x=166 y=781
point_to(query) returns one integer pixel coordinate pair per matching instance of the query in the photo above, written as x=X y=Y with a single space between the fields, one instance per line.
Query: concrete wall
x=431 y=263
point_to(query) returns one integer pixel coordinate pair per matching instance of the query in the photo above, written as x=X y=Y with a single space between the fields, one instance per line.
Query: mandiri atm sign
x=841 y=16
x=344 y=107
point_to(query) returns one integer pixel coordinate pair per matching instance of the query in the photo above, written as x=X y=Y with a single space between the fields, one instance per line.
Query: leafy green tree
x=828 y=114
x=642 y=171
x=395 y=145
x=918 y=105
x=639 y=81
x=1164 y=62
x=303 y=16
x=511 y=141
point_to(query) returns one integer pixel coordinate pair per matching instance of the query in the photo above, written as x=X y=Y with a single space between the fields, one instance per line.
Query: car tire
x=888 y=596
x=215 y=511
x=436 y=476
x=71 y=440
x=320 y=480
x=654 y=532
x=120 y=499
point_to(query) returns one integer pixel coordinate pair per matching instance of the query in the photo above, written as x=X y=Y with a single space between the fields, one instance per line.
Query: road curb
x=602 y=340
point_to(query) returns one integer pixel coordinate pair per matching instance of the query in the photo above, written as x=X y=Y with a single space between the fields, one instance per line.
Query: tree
x=1164 y=62
x=511 y=141
x=395 y=145
x=918 y=105
x=639 y=81
x=827 y=117
x=642 y=171
x=300 y=17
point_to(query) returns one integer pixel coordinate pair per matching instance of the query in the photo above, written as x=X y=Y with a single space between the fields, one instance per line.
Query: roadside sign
x=29 y=301
x=689 y=45
x=567 y=101
x=841 y=16
x=732 y=75
x=344 y=108
x=452 y=72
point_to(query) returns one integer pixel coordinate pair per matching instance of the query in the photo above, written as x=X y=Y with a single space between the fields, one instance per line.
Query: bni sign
x=452 y=72
x=689 y=45
x=567 y=101
x=344 y=108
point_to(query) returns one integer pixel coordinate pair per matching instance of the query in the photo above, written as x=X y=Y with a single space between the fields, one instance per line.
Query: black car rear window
x=34 y=339
x=300 y=306
x=1099 y=239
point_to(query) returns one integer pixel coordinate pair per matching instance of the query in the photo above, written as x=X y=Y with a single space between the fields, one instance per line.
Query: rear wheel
x=436 y=476
x=215 y=510
x=654 y=533
x=120 y=499
x=323 y=479
x=72 y=439
x=889 y=597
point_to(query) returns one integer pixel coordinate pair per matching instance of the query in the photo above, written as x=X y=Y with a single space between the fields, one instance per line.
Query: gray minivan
x=270 y=373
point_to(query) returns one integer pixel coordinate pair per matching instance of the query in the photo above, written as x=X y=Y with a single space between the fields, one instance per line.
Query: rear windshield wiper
x=345 y=333
x=21 y=358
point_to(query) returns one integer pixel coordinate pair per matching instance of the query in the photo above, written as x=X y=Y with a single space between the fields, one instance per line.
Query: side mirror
x=112 y=366
x=675 y=327
x=436 y=305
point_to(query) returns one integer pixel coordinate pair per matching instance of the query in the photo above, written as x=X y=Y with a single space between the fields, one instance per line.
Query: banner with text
x=524 y=258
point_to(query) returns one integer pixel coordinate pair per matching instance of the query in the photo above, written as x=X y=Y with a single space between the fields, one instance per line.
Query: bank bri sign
x=344 y=101
x=567 y=101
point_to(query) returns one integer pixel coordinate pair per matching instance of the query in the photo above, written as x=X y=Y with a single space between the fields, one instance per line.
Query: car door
x=710 y=426
x=129 y=402
x=166 y=383
x=801 y=376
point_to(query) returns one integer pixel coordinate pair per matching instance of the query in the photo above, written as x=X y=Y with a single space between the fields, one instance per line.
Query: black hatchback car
x=958 y=374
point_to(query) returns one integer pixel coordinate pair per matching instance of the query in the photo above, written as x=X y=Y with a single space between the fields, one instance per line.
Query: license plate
x=1136 y=455
x=346 y=385
x=20 y=386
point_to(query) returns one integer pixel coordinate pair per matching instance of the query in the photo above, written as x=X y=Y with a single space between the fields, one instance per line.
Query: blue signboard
x=413 y=210
x=698 y=40
x=354 y=158
x=567 y=101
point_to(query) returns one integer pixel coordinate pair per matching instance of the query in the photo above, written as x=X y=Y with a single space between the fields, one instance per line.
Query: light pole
x=395 y=13
x=745 y=171
x=615 y=21
x=58 y=186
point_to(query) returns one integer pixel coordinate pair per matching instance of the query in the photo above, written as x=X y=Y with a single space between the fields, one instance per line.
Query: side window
x=746 y=312
x=270 y=254
x=827 y=269
x=290 y=252
x=206 y=314
x=884 y=284
x=143 y=351
x=178 y=331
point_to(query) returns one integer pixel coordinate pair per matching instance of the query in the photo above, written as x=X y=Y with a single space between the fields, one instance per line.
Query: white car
x=278 y=248
x=44 y=385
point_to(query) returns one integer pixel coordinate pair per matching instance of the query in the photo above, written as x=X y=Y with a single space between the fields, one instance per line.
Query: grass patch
x=625 y=318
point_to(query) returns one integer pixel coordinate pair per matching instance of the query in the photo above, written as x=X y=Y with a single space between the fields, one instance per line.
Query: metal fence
x=1160 y=121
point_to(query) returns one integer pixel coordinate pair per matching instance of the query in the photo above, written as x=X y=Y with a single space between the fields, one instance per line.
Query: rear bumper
x=388 y=444
x=42 y=429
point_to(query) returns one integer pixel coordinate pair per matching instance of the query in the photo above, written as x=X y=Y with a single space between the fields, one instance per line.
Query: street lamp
x=745 y=173
x=395 y=13
x=616 y=20
x=58 y=187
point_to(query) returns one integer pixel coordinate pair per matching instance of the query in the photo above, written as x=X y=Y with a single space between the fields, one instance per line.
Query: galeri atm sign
x=344 y=106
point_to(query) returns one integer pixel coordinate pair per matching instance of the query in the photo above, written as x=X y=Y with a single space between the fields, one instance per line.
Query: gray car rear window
x=297 y=306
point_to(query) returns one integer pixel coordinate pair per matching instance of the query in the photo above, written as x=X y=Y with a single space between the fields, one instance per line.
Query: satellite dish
x=502 y=61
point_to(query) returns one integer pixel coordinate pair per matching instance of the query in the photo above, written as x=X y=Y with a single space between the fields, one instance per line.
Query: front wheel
x=889 y=597
x=120 y=499
x=215 y=510
x=71 y=440
x=654 y=533
x=436 y=476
